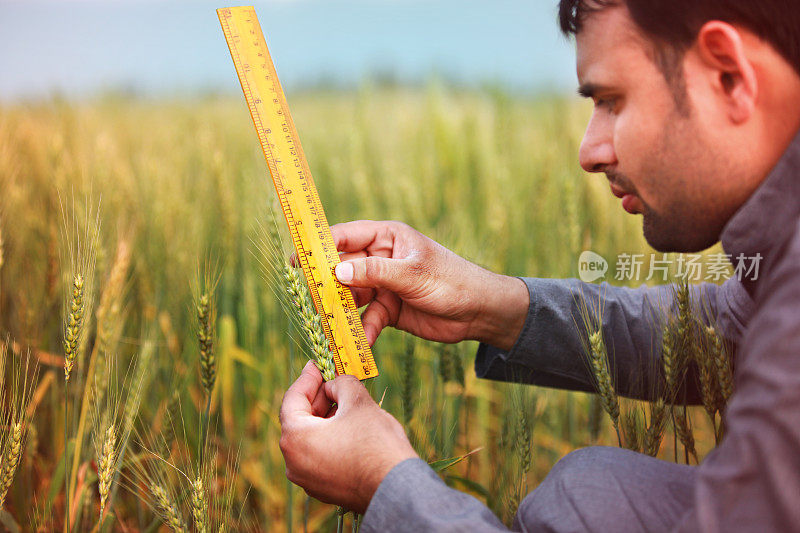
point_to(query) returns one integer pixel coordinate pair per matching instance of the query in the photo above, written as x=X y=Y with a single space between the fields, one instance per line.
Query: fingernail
x=344 y=272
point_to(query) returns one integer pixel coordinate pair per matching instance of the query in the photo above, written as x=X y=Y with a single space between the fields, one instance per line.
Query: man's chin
x=681 y=237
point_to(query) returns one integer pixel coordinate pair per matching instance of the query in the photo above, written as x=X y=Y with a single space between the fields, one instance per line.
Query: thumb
x=347 y=391
x=374 y=272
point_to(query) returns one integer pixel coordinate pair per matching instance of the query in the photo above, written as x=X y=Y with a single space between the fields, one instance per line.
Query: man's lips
x=630 y=202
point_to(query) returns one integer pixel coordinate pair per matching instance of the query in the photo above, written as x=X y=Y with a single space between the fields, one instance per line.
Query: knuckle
x=399 y=226
x=348 y=381
x=373 y=268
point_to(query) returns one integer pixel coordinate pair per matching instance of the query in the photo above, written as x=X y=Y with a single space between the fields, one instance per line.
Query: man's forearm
x=550 y=350
x=502 y=311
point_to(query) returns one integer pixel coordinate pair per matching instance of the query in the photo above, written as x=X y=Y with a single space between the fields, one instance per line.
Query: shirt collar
x=767 y=218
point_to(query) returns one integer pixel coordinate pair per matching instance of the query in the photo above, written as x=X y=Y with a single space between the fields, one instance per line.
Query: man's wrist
x=503 y=311
x=372 y=481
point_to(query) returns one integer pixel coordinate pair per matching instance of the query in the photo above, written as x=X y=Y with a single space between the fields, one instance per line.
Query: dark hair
x=673 y=25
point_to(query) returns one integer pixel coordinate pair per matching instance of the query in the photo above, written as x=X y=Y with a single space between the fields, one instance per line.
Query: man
x=695 y=125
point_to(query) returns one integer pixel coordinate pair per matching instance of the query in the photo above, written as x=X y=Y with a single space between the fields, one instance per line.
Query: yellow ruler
x=298 y=195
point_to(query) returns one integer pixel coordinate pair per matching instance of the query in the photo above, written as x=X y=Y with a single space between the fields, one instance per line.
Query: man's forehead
x=607 y=36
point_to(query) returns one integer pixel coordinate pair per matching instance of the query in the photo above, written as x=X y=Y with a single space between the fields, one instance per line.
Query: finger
x=347 y=256
x=354 y=236
x=332 y=410
x=362 y=296
x=321 y=405
x=298 y=398
x=346 y=391
x=378 y=238
x=377 y=272
x=382 y=312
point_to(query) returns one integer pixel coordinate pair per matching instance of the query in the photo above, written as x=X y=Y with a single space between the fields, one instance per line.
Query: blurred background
x=135 y=207
x=81 y=48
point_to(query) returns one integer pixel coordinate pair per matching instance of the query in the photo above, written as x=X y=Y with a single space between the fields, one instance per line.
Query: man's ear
x=721 y=49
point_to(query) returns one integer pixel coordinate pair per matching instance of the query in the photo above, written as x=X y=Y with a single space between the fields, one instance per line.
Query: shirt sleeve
x=751 y=481
x=412 y=497
x=550 y=351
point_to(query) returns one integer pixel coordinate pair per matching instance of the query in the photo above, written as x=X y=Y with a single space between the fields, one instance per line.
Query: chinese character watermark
x=714 y=267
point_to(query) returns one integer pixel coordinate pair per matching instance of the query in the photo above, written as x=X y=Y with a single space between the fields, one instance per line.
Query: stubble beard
x=687 y=220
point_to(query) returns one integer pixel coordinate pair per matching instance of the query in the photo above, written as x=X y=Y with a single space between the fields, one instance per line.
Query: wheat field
x=129 y=233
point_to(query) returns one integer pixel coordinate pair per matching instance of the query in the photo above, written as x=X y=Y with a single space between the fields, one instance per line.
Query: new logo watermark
x=694 y=267
x=591 y=266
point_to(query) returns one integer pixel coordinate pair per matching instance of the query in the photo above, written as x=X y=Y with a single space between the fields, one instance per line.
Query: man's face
x=659 y=158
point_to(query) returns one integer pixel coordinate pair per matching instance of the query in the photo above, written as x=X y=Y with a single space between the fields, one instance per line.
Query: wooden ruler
x=298 y=195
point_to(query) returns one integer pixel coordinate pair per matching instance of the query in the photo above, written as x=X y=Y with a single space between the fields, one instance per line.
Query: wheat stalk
x=708 y=385
x=205 y=337
x=106 y=463
x=655 y=429
x=171 y=412
x=721 y=361
x=168 y=510
x=10 y=459
x=408 y=383
x=74 y=326
x=2 y=257
x=199 y=505
x=684 y=431
x=630 y=429
x=669 y=358
x=108 y=309
x=310 y=322
x=598 y=357
x=16 y=421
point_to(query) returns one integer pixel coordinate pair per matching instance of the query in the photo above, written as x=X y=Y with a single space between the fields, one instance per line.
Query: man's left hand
x=338 y=443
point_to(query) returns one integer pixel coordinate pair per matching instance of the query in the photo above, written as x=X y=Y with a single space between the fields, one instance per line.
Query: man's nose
x=597 y=148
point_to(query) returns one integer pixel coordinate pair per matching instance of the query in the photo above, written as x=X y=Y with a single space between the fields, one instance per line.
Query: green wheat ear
x=106 y=466
x=605 y=387
x=408 y=385
x=199 y=505
x=205 y=337
x=168 y=509
x=310 y=322
x=631 y=430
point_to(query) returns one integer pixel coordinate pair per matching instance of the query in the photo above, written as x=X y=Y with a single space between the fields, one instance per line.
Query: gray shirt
x=751 y=481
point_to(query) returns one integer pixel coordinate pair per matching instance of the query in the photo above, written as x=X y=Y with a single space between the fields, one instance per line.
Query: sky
x=84 y=47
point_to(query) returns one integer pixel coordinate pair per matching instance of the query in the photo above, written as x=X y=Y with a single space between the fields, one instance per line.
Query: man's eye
x=607 y=103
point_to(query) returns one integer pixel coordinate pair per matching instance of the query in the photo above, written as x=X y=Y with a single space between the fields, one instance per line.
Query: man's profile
x=696 y=125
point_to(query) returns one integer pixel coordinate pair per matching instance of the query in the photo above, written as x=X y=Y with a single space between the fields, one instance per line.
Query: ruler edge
x=284 y=104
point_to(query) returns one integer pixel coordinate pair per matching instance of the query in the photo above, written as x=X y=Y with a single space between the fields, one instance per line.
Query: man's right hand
x=410 y=282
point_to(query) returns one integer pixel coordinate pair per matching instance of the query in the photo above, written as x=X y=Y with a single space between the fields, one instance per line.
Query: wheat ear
x=169 y=511
x=205 y=337
x=408 y=383
x=684 y=431
x=655 y=429
x=11 y=460
x=605 y=386
x=106 y=466
x=1 y=247
x=199 y=505
x=310 y=322
x=74 y=326
x=722 y=365
x=630 y=430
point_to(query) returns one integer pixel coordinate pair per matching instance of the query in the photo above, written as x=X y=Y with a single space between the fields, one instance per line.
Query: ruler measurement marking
x=329 y=296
